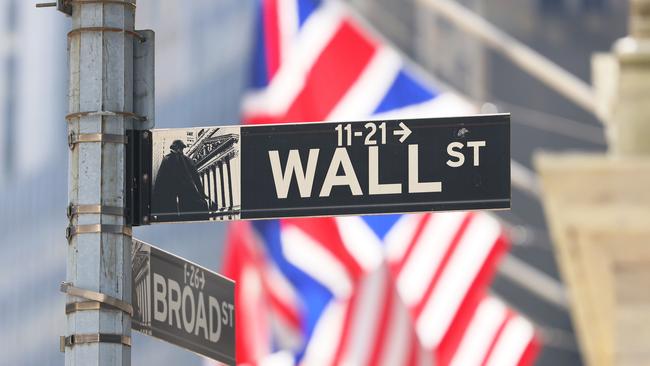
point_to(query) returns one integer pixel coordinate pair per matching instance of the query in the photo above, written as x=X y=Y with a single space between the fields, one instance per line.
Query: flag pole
x=521 y=55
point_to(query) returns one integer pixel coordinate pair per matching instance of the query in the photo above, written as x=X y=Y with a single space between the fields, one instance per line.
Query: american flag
x=378 y=290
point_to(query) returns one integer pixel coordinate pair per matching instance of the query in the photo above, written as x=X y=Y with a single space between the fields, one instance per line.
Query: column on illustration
x=216 y=179
x=222 y=181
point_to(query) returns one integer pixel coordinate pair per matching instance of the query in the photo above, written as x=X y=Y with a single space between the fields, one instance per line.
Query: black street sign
x=183 y=303
x=330 y=168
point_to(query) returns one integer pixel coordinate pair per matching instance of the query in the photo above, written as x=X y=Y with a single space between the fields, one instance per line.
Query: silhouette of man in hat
x=178 y=188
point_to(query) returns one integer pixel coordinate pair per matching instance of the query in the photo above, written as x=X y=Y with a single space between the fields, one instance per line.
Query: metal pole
x=100 y=48
x=523 y=56
x=534 y=280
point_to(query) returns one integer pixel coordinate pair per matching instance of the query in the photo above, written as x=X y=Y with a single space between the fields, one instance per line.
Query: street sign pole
x=100 y=47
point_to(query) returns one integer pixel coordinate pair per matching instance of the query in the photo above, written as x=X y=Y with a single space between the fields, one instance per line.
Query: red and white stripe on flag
x=244 y=263
x=442 y=264
x=496 y=335
x=267 y=309
x=427 y=283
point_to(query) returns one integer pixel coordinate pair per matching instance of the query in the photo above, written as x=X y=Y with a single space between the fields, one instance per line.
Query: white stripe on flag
x=308 y=255
x=288 y=335
x=281 y=358
x=288 y=23
x=480 y=333
x=360 y=241
x=399 y=237
x=290 y=78
x=322 y=345
x=278 y=284
x=365 y=320
x=425 y=358
x=512 y=343
x=363 y=97
x=399 y=336
x=425 y=258
x=456 y=279
x=285 y=336
x=251 y=306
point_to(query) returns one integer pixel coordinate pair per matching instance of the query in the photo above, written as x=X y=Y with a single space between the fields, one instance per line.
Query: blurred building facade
x=32 y=182
x=30 y=93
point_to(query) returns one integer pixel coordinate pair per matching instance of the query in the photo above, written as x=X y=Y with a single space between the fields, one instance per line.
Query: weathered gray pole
x=100 y=47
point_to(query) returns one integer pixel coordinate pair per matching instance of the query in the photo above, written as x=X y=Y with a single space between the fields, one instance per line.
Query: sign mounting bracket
x=71 y=290
x=138 y=177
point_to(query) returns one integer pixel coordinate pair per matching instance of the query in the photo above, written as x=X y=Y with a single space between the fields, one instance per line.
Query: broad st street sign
x=329 y=168
x=183 y=303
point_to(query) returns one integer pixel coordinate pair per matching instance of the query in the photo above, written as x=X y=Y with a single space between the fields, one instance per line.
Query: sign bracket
x=74 y=339
x=73 y=307
x=144 y=103
x=131 y=115
x=73 y=230
x=74 y=210
x=93 y=296
x=138 y=177
x=74 y=139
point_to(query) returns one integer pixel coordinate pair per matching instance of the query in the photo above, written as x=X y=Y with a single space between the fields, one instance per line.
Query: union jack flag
x=378 y=290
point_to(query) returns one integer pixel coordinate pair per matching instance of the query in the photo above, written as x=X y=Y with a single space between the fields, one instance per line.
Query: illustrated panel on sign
x=196 y=174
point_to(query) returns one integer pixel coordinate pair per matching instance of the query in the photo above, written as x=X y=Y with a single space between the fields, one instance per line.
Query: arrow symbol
x=405 y=132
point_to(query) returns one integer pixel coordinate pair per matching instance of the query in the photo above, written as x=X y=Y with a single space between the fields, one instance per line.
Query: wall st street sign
x=183 y=303
x=330 y=168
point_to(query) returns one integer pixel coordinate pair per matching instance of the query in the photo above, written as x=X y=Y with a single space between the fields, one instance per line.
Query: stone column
x=230 y=198
x=222 y=187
